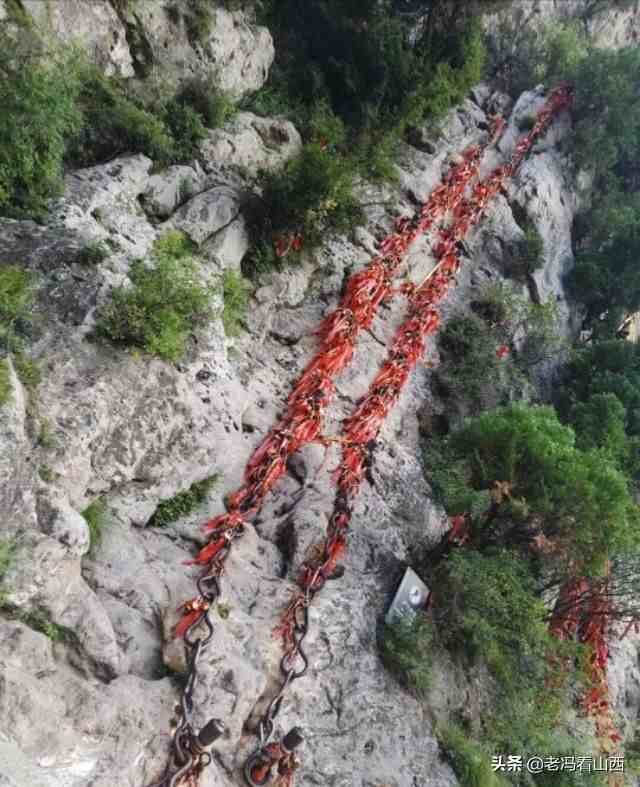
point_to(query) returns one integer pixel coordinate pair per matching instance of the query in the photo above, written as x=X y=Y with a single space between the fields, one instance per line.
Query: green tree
x=600 y=423
x=605 y=367
x=577 y=499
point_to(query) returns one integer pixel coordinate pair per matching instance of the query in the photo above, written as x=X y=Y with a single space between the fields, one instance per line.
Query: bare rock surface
x=133 y=39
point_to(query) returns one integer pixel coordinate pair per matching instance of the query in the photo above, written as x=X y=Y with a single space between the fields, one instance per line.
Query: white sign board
x=412 y=595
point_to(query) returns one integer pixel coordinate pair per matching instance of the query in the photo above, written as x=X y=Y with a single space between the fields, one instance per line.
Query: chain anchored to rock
x=361 y=429
x=302 y=424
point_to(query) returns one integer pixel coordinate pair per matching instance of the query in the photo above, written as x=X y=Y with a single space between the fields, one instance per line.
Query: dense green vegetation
x=16 y=298
x=183 y=503
x=406 y=647
x=356 y=57
x=606 y=130
x=58 y=108
x=481 y=366
x=165 y=300
x=355 y=84
x=578 y=499
x=40 y=113
x=470 y=761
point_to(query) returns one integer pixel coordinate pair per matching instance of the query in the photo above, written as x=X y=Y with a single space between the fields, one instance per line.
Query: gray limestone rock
x=95 y=708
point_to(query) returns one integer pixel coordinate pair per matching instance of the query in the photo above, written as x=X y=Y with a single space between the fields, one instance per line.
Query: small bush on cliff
x=204 y=96
x=236 y=291
x=16 y=297
x=5 y=382
x=158 y=310
x=312 y=194
x=406 y=646
x=470 y=368
x=95 y=515
x=358 y=61
x=183 y=503
x=198 y=19
x=39 y=113
x=470 y=761
x=113 y=124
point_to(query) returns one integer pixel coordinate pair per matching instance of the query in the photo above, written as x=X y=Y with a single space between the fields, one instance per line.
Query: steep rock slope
x=94 y=709
x=137 y=430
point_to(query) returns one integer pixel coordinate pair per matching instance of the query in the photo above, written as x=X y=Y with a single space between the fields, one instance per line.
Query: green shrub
x=313 y=193
x=174 y=244
x=5 y=382
x=158 y=310
x=533 y=56
x=260 y=259
x=605 y=367
x=493 y=614
x=186 y=128
x=39 y=621
x=95 y=515
x=114 y=123
x=236 y=291
x=538 y=325
x=198 y=21
x=16 y=297
x=482 y=363
x=607 y=282
x=489 y=609
x=600 y=398
x=47 y=474
x=7 y=553
x=530 y=251
x=213 y=105
x=356 y=59
x=600 y=423
x=470 y=761
x=94 y=253
x=406 y=651
x=39 y=114
x=46 y=437
x=183 y=503
x=470 y=366
x=272 y=100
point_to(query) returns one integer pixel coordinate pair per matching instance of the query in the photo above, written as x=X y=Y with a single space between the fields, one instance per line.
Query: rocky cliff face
x=94 y=708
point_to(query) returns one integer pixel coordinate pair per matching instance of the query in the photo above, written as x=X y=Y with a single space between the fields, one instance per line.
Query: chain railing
x=302 y=424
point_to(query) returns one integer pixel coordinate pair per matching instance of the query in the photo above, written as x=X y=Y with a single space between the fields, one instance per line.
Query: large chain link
x=189 y=755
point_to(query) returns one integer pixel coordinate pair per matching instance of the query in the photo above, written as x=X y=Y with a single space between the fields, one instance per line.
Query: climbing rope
x=302 y=424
